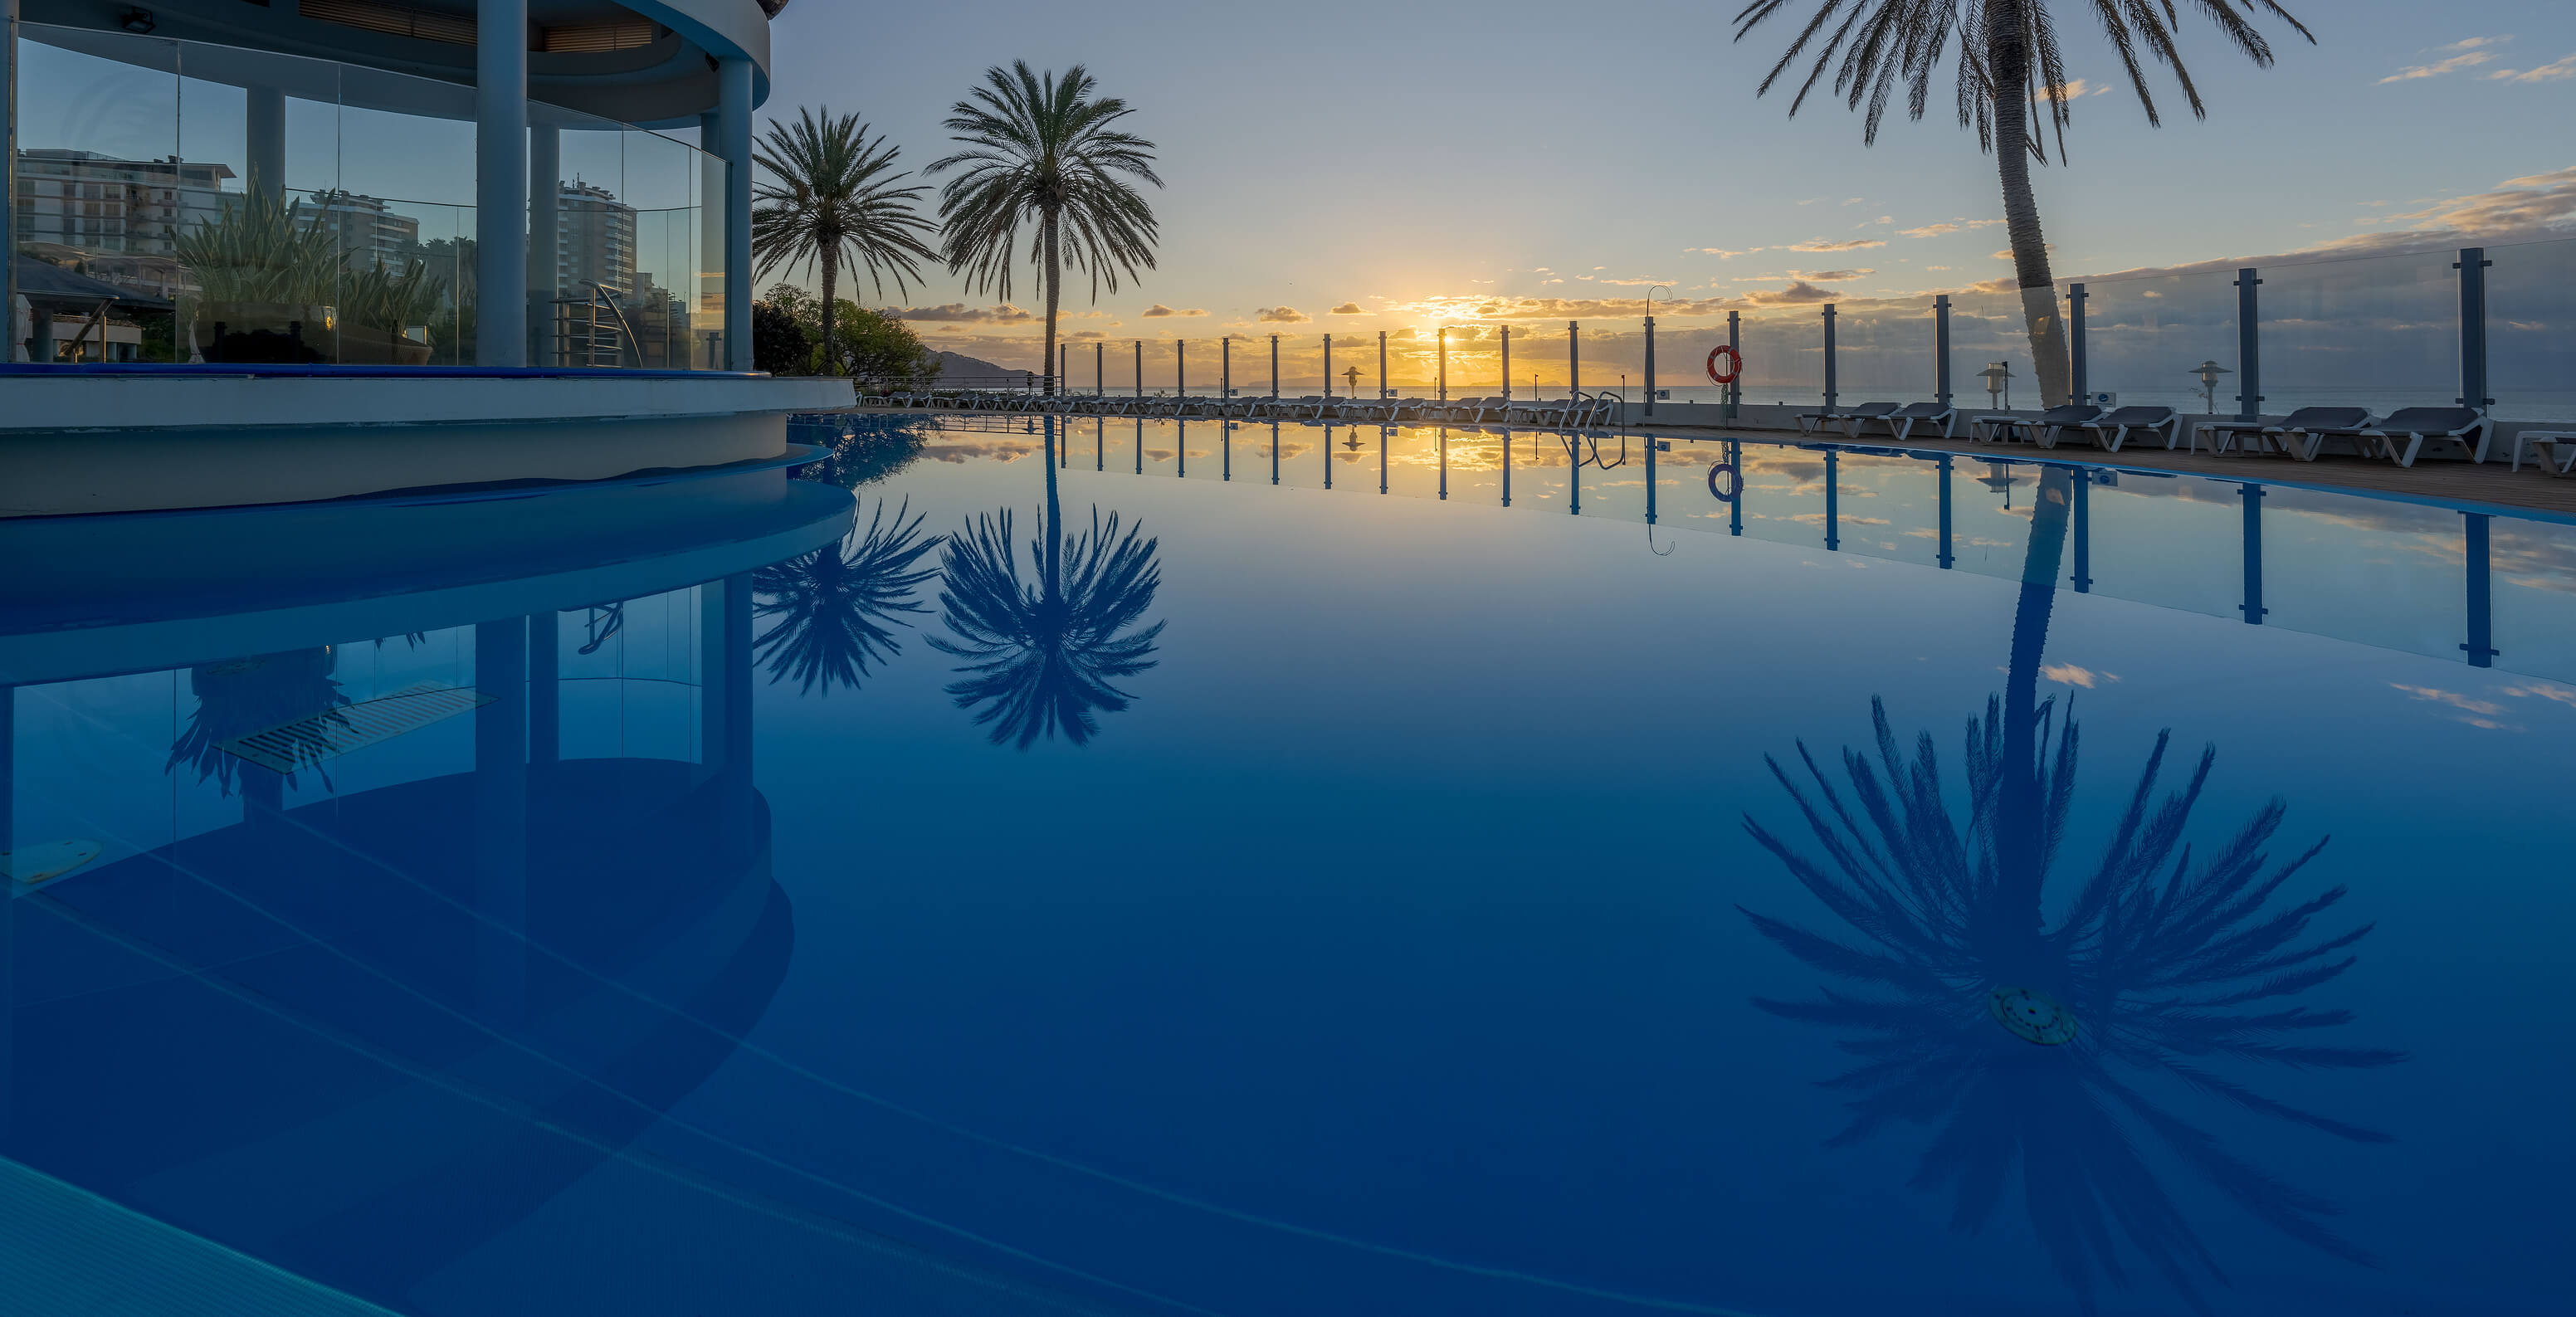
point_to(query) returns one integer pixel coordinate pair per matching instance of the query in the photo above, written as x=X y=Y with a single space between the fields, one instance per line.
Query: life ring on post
x=1734 y=364
x=1735 y=486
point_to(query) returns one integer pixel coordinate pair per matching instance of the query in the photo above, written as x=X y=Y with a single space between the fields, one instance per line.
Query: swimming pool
x=1267 y=902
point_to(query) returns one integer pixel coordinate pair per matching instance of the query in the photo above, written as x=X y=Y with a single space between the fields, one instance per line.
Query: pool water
x=1071 y=871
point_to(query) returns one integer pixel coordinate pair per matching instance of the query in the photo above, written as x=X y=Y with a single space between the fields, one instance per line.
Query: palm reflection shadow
x=2058 y=1049
x=836 y=608
x=1040 y=658
x=293 y=695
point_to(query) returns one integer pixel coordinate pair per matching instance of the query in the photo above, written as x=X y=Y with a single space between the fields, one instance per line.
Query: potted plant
x=265 y=283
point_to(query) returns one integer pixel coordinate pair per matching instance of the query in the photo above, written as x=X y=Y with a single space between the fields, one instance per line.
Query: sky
x=1408 y=164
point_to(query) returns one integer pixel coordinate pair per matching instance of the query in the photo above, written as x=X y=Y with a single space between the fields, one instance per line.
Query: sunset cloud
x=1829 y=276
x=960 y=313
x=1281 y=315
x=1929 y=230
x=1821 y=245
x=1353 y=308
x=2558 y=72
x=1158 y=311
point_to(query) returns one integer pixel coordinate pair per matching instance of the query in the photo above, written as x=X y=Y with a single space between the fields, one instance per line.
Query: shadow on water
x=835 y=609
x=1041 y=657
x=2016 y=1042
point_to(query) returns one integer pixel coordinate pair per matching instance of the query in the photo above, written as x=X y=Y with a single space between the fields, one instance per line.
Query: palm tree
x=2154 y=967
x=834 y=201
x=2007 y=59
x=1044 y=151
x=1044 y=655
x=836 y=606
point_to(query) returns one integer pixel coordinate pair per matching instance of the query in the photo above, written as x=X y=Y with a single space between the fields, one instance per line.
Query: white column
x=545 y=190
x=733 y=122
x=264 y=144
x=501 y=183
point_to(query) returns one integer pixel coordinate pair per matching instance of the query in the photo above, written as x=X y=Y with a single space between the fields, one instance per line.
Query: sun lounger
x=1901 y=422
x=2045 y=428
x=1848 y=419
x=2403 y=436
x=2113 y=430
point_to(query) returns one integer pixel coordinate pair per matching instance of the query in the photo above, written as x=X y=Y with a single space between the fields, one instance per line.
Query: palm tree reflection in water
x=2017 y=1041
x=836 y=607
x=1040 y=658
x=294 y=692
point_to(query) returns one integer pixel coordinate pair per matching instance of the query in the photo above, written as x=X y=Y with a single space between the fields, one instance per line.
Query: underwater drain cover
x=2032 y=1016
x=316 y=737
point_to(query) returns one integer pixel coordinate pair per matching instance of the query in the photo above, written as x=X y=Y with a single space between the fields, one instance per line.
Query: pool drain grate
x=316 y=737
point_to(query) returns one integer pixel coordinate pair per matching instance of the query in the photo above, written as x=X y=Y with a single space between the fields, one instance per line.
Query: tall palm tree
x=836 y=608
x=834 y=200
x=2007 y=59
x=1043 y=656
x=1043 y=151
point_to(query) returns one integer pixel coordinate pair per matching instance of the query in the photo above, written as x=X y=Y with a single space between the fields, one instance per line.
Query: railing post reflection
x=1444 y=464
x=500 y=883
x=1735 y=510
x=1946 y=559
x=1573 y=468
x=1507 y=461
x=1225 y=441
x=1140 y=445
x=1382 y=432
x=1833 y=502
x=1274 y=452
x=2481 y=644
x=1328 y=449
x=2083 y=577
x=1181 y=447
x=2253 y=605
x=545 y=690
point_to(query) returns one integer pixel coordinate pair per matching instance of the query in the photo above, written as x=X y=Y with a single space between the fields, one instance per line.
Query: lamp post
x=1998 y=377
x=2208 y=373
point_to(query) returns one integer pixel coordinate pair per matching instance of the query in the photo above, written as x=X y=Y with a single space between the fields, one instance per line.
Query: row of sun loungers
x=1581 y=411
x=2307 y=434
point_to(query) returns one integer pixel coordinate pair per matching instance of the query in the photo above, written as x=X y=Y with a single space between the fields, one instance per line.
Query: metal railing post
x=2249 y=351
x=1733 y=393
x=1140 y=369
x=1444 y=363
x=2472 y=266
x=1573 y=362
x=1382 y=392
x=1328 y=373
x=1225 y=368
x=1650 y=405
x=1100 y=369
x=1829 y=381
x=1274 y=383
x=1507 y=375
x=1180 y=372
x=1941 y=366
x=2075 y=342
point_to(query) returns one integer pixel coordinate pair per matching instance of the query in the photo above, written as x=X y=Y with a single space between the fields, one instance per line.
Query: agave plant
x=377 y=298
x=1041 y=657
x=2030 y=1044
x=836 y=607
x=253 y=250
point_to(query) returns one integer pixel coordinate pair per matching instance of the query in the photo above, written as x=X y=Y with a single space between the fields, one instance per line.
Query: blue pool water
x=1279 y=901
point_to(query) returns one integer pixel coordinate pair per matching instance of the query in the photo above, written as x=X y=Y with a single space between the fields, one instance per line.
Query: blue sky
x=1393 y=158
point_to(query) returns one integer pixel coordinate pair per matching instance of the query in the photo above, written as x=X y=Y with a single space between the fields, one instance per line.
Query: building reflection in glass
x=2020 y=1017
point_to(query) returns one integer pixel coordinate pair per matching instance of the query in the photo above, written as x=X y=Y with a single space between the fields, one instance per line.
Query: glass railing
x=2163 y=341
x=203 y=203
x=2531 y=330
x=2381 y=332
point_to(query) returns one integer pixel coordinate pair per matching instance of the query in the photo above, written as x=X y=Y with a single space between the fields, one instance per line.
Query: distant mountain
x=958 y=368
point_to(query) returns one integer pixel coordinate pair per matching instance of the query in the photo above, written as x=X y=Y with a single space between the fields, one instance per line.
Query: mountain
x=958 y=368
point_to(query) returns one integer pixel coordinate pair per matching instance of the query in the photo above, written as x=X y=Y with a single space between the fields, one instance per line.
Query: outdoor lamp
x=2209 y=371
x=1998 y=377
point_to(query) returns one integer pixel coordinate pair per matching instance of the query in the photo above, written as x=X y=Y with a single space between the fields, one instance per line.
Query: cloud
x=1829 y=276
x=1821 y=245
x=2458 y=55
x=960 y=313
x=1281 y=315
x=2074 y=88
x=1158 y=311
x=1799 y=291
x=2475 y=712
x=1724 y=254
x=1929 y=230
x=2558 y=72
x=1637 y=283
x=1353 y=308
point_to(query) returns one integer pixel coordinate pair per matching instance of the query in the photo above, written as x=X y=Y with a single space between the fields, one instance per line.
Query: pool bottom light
x=2032 y=1016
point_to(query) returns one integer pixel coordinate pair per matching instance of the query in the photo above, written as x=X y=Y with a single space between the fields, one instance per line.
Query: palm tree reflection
x=2022 y=1042
x=863 y=450
x=836 y=607
x=293 y=692
x=1040 y=658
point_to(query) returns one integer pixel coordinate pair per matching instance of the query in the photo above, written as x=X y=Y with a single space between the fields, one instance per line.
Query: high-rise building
x=595 y=241
x=364 y=232
x=120 y=219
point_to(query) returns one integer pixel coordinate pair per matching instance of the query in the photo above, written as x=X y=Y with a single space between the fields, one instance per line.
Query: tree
x=778 y=342
x=2007 y=59
x=834 y=200
x=1044 y=151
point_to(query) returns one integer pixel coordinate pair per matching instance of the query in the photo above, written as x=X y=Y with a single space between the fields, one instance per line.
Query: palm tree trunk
x=2008 y=62
x=831 y=289
x=1054 y=284
x=2019 y=820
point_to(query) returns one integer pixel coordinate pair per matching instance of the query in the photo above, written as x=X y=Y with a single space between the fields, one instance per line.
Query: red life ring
x=1734 y=363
